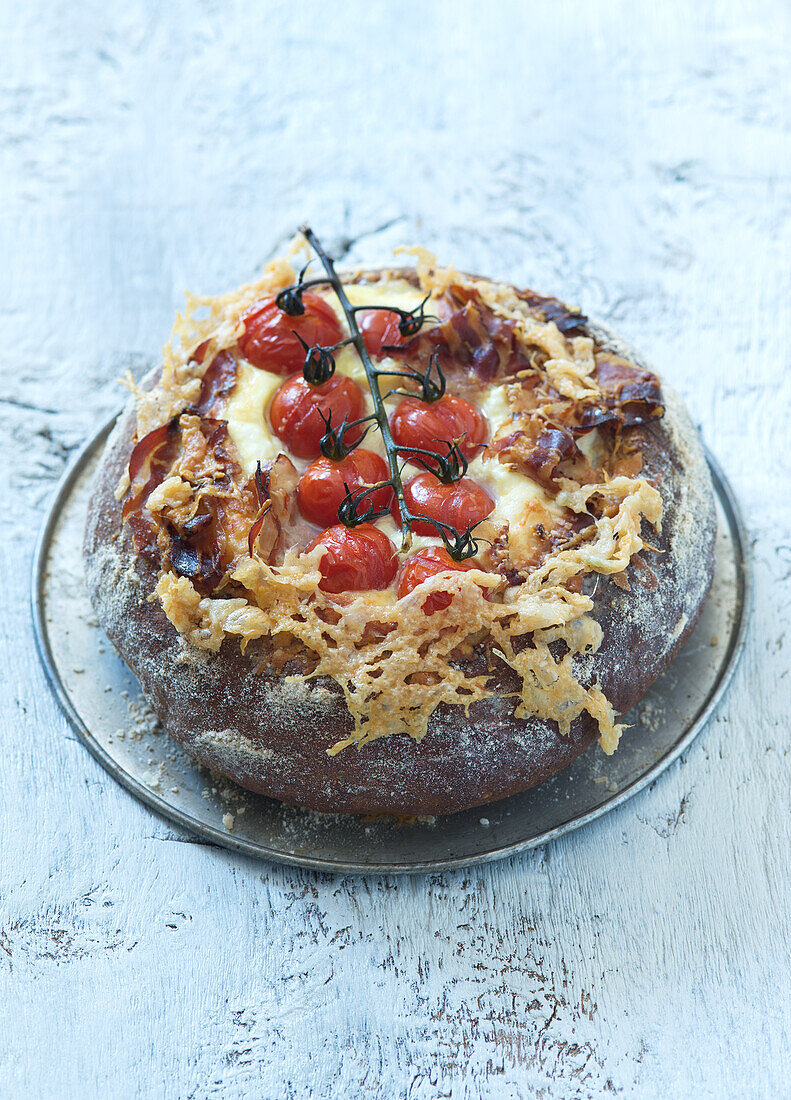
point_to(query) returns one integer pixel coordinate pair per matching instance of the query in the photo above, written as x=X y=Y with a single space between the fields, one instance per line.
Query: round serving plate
x=104 y=704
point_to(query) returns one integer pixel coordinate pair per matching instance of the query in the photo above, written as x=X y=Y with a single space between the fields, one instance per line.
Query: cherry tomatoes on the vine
x=461 y=504
x=269 y=339
x=356 y=558
x=323 y=485
x=428 y=424
x=295 y=417
x=379 y=328
x=428 y=563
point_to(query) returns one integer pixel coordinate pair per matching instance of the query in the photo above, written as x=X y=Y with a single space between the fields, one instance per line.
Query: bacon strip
x=471 y=336
x=218 y=381
x=147 y=447
x=262 y=479
x=151 y=459
x=630 y=395
x=275 y=490
x=539 y=457
x=191 y=562
x=570 y=321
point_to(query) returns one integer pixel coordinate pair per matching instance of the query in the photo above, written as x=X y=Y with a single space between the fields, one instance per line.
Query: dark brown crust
x=272 y=738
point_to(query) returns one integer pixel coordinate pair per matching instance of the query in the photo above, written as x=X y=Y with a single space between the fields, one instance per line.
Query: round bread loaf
x=243 y=720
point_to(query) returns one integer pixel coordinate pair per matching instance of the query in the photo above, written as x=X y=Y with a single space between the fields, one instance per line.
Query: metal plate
x=103 y=702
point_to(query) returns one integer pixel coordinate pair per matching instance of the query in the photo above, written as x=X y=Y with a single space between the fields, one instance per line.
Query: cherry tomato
x=460 y=504
x=428 y=563
x=321 y=488
x=269 y=342
x=379 y=328
x=426 y=424
x=357 y=558
x=294 y=412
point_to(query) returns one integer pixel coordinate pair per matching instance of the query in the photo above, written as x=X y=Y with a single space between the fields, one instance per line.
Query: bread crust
x=271 y=737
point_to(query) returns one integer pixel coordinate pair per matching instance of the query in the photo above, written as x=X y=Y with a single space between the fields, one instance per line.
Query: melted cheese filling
x=247 y=413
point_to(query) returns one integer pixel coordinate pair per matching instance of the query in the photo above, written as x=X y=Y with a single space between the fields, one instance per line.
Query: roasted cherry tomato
x=357 y=558
x=269 y=342
x=460 y=504
x=425 y=564
x=427 y=424
x=379 y=328
x=294 y=412
x=323 y=485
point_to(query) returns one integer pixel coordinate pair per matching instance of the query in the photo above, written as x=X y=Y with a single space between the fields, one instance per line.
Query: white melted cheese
x=511 y=491
x=590 y=445
x=248 y=419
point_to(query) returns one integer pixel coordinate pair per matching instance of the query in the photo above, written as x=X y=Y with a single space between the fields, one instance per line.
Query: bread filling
x=566 y=503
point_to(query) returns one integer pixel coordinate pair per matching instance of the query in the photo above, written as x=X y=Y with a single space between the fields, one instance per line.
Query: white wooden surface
x=639 y=165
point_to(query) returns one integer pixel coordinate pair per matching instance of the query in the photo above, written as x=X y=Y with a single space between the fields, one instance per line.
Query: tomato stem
x=373 y=384
x=459 y=544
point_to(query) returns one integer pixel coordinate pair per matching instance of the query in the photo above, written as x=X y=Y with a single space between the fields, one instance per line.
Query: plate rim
x=225 y=839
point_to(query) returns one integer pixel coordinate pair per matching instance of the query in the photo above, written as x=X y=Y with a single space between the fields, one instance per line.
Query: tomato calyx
x=448 y=468
x=319 y=365
x=348 y=513
x=333 y=444
x=431 y=389
x=289 y=301
x=461 y=545
x=410 y=321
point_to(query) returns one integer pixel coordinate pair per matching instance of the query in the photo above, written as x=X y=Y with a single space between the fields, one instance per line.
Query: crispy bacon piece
x=145 y=449
x=189 y=561
x=537 y=450
x=264 y=502
x=630 y=395
x=150 y=460
x=195 y=550
x=144 y=532
x=471 y=336
x=199 y=522
x=549 y=450
x=202 y=454
x=275 y=487
x=570 y=321
x=218 y=381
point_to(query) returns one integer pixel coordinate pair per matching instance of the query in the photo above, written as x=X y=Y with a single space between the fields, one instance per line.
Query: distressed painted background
x=638 y=164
